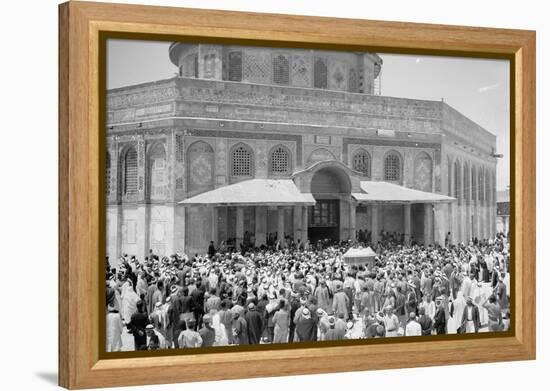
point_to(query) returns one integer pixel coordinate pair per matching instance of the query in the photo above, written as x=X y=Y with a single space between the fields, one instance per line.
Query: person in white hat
x=153 y=335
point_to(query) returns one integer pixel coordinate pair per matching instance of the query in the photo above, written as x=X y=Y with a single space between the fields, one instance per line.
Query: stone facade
x=278 y=112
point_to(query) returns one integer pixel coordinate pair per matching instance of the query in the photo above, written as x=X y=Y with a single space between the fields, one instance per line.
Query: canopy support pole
x=407 y=223
x=239 y=232
x=375 y=234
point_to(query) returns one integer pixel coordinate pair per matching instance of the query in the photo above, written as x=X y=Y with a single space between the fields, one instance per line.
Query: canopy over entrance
x=384 y=192
x=253 y=192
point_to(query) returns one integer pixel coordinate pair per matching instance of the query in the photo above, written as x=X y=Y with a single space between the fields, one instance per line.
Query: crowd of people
x=290 y=293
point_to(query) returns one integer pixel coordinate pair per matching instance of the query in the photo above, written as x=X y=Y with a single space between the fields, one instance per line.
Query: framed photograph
x=249 y=195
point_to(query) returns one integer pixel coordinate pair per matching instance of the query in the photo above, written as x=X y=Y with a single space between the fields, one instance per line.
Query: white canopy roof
x=254 y=192
x=390 y=193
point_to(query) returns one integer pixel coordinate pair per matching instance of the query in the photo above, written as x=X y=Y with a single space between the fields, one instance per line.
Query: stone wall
x=198 y=122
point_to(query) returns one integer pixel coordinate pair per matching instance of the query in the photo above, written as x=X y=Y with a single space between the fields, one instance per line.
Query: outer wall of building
x=176 y=138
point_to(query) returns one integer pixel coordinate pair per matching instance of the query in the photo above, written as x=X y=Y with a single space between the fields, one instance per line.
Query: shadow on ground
x=48 y=377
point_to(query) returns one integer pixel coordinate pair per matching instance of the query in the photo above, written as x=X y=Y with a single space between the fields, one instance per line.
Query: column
x=281 y=225
x=143 y=225
x=296 y=222
x=170 y=229
x=375 y=211
x=440 y=224
x=305 y=224
x=407 y=223
x=214 y=234
x=114 y=233
x=352 y=224
x=455 y=236
x=428 y=224
x=239 y=231
x=261 y=225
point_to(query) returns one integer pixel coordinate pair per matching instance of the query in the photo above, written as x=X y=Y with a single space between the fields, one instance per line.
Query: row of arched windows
x=469 y=184
x=128 y=182
x=281 y=71
x=242 y=161
x=393 y=168
x=200 y=166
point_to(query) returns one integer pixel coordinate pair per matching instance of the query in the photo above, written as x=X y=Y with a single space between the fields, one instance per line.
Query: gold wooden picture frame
x=83 y=29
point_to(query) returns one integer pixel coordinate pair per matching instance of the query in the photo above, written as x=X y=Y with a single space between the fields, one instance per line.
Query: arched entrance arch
x=331 y=187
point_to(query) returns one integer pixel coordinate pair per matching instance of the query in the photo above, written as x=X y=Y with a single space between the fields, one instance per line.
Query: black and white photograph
x=274 y=195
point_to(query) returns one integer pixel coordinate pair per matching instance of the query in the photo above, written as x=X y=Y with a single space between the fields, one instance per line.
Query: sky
x=478 y=88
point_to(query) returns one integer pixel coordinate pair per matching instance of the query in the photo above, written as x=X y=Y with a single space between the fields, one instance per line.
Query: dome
x=305 y=68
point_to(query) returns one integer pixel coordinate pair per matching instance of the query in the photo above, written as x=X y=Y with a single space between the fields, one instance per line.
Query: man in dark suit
x=440 y=320
x=470 y=318
x=426 y=323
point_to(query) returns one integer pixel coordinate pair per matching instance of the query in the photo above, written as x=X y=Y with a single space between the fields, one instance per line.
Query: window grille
x=179 y=158
x=108 y=174
x=241 y=165
x=130 y=172
x=235 y=66
x=392 y=168
x=320 y=74
x=280 y=161
x=281 y=70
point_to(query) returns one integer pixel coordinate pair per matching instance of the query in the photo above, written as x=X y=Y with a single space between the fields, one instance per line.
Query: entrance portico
x=327 y=200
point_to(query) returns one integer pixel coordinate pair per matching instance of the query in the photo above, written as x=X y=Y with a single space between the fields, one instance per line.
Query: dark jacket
x=426 y=323
x=475 y=318
x=306 y=330
x=254 y=322
x=440 y=321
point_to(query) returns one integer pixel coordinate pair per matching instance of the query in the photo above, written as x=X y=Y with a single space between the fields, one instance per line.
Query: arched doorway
x=329 y=185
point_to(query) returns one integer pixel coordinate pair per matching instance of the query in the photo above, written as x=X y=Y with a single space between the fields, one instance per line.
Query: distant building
x=304 y=128
x=503 y=211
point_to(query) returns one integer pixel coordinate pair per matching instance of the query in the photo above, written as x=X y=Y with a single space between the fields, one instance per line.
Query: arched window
x=473 y=181
x=361 y=162
x=488 y=188
x=130 y=172
x=320 y=74
x=157 y=172
x=279 y=160
x=192 y=65
x=179 y=159
x=458 y=182
x=241 y=161
x=467 y=190
x=449 y=178
x=480 y=185
x=235 y=68
x=108 y=173
x=352 y=81
x=209 y=65
x=281 y=70
x=392 y=167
